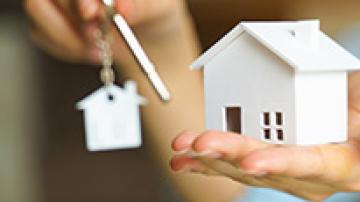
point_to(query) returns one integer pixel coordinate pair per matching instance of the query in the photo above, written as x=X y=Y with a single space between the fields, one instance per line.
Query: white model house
x=281 y=82
x=112 y=117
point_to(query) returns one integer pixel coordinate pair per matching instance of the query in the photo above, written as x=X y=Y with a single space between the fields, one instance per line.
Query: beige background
x=42 y=152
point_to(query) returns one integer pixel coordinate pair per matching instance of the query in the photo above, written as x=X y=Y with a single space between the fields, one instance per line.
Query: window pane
x=233 y=119
x=267 y=134
x=266 y=117
x=280 y=134
x=279 y=118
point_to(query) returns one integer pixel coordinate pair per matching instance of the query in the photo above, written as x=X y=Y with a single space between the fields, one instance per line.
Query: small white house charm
x=112 y=117
x=281 y=82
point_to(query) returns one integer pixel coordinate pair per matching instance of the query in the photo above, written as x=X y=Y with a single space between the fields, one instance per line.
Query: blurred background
x=42 y=151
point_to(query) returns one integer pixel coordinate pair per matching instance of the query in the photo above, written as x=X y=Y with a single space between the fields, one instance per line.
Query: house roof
x=129 y=92
x=301 y=44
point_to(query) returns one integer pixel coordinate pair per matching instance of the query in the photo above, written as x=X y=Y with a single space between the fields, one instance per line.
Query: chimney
x=307 y=32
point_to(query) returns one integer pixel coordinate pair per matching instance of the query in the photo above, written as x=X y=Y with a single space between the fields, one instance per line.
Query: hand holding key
x=65 y=28
x=67 y=43
x=112 y=17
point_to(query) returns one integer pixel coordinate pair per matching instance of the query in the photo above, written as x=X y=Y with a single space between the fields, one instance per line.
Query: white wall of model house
x=257 y=81
x=289 y=99
x=321 y=107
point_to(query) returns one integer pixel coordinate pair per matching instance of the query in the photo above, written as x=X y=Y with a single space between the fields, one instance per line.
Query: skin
x=164 y=28
x=312 y=172
x=65 y=29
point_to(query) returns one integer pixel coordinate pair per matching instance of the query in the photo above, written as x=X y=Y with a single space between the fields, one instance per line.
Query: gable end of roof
x=218 y=47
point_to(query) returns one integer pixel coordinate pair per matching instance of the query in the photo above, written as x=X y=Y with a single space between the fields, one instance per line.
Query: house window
x=267 y=134
x=266 y=126
x=233 y=119
x=279 y=118
x=272 y=126
x=266 y=118
x=280 y=134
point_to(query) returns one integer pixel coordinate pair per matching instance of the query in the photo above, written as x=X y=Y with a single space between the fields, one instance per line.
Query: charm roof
x=129 y=92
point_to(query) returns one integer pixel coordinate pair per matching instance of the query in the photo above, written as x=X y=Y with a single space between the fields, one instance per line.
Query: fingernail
x=89 y=9
x=207 y=154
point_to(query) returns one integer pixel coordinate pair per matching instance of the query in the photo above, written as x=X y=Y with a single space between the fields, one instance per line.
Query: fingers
x=225 y=169
x=45 y=43
x=230 y=146
x=56 y=23
x=89 y=9
x=309 y=172
x=289 y=161
x=327 y=163
x=139 y=11
x=212 y=167
x=183 y=163
x=56 y=28
x=135 y=11
x=183 y=141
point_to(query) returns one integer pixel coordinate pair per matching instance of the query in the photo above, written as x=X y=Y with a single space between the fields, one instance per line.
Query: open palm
x=313 y=173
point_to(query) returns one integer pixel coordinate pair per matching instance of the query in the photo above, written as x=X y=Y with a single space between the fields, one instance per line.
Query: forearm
x=172 y=49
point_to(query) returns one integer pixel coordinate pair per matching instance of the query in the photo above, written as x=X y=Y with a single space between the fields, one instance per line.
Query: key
x=143 y=60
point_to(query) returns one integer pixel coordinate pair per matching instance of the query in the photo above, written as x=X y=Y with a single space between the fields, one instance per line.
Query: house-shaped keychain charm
x=112 y=117
x=280 y=82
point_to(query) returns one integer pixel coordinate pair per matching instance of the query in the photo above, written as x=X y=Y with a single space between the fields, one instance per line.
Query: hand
x=313 y=172
x=66 y=28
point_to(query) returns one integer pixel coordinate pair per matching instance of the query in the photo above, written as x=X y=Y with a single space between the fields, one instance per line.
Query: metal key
x=147 y=66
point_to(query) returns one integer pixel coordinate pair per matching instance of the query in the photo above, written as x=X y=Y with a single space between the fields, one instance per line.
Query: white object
x=112 y=118
x=281 y=82
x=140 y=55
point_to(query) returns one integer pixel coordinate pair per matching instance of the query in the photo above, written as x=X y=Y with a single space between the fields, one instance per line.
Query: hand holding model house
x=293 y=92
x=270 y=86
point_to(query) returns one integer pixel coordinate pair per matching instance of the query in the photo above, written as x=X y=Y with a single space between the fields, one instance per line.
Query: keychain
x=111 y=113
x=138 y=52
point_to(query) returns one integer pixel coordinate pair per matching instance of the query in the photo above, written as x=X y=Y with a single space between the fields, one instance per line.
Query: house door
x=233 y=119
